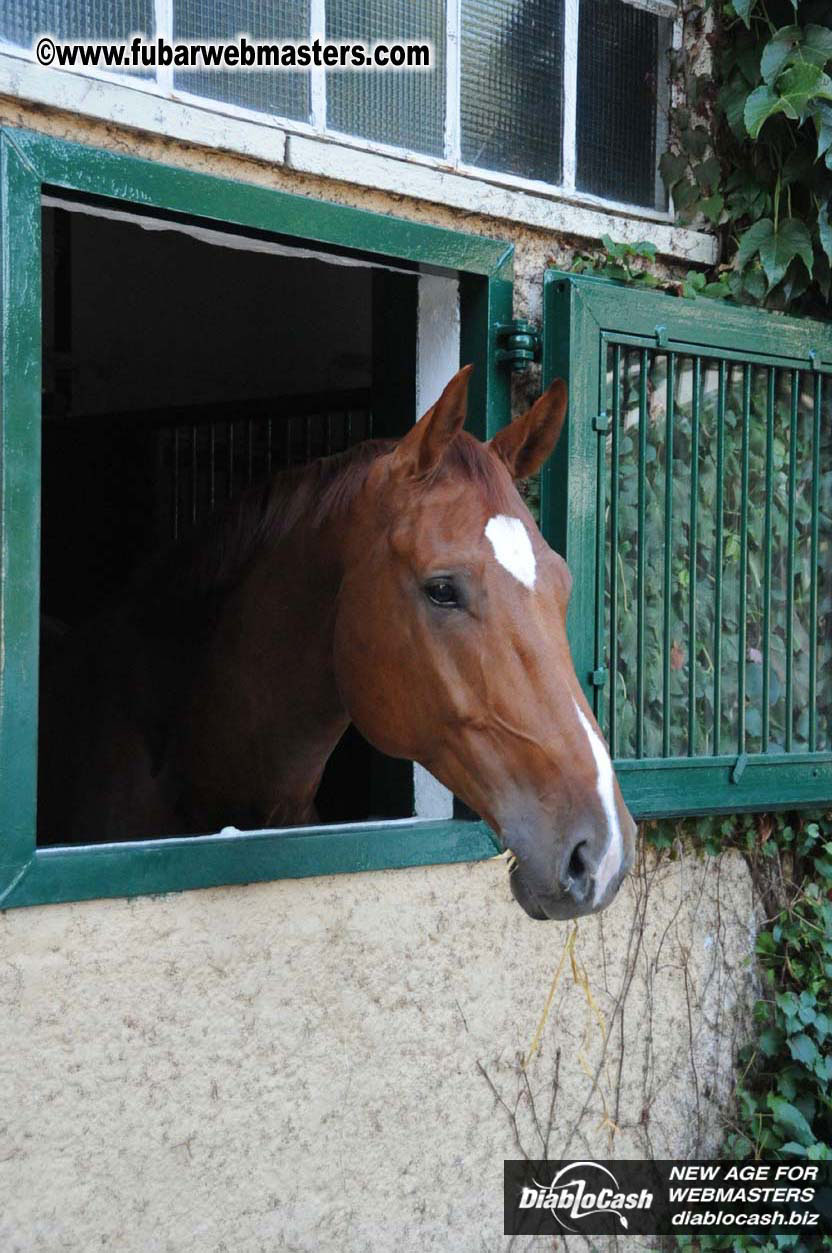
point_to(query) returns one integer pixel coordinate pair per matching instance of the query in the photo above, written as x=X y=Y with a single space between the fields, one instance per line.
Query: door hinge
x=598 y=677
x=601 y=423
x=518 y=343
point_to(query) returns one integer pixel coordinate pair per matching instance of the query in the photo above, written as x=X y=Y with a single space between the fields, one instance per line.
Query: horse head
x=451 y=650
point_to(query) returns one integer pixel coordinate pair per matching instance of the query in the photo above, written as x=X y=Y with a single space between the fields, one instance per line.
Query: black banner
x=641 y=1198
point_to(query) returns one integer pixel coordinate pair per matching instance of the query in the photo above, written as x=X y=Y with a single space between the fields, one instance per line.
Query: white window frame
x=156 y=106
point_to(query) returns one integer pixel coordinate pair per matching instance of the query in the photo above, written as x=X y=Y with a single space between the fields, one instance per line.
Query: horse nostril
x=576 y=877
x=576 y=861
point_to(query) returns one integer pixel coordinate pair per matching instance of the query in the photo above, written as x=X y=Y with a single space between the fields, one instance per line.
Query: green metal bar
x=568 y=517
x=743 y=608
x=660 y=787
x=614 y=489
x=695 y=326
x=641 y=556
x=720 y=521
x=790 y=562
x=152 y=183
x=693 y=541
x=175 y=865
x=716 y=351
x=482 y=305
x=20 y=430
x=813 y=585
x=600 y=533
x=670 y=418
x=769 y=470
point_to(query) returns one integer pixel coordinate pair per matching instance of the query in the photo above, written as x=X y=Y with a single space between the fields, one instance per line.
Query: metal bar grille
x=715 y=622
x=209 y=460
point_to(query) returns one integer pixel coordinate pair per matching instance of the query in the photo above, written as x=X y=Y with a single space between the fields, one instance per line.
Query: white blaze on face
x=610 y=863
x=512 y=547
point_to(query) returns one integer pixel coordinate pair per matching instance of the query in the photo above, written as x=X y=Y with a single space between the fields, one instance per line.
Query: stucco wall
x=308 y=1065
x=316 y=1065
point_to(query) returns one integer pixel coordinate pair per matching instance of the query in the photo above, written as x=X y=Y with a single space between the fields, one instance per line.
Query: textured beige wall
x=312 y=1065
x=332 y=1064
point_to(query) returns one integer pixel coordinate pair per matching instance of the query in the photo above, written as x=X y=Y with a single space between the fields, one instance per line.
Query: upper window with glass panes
x=558 y=94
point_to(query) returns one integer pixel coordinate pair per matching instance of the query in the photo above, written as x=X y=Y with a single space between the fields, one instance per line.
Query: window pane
x=621 y=78
x=405 y=108
x=512 y=86
x=284 y=93
x=21 y=20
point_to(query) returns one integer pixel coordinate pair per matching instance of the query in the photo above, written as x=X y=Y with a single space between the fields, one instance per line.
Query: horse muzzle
x=579 y=886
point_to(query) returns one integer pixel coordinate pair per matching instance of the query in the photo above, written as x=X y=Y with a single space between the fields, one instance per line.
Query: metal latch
x=518 y=343
x=738 y=769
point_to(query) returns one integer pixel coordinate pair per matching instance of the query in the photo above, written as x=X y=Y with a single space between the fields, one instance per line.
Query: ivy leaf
x=801 y=84
x=825 y=230
x=789 y=1117
x=771 y=1041
x=708 y=173
x=696 y=141
x=712 y=207
x=823 y=1068
x=790 y=240
x=673 y=167
x=732 y=98
x=743 y=8
x=759 y=107
x=754 y=283
x=778 y=50
x=787 y=1002
x=816 y=45
x=803 y=1049
x=823 y=278
x=684 y=194
x=752 y=239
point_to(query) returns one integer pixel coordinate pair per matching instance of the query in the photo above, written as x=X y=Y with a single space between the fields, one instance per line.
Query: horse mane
x=213 y=557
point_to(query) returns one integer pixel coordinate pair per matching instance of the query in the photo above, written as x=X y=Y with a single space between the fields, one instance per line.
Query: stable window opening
x=184 y=367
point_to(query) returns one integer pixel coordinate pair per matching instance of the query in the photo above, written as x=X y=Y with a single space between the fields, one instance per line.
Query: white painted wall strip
x=661 y=8
x=453 y=78
x=317 y=75
x=437 y=360
x=141 y=110
x=164 y=30
x=311 y=156
x=223 y=127
x=570 y=92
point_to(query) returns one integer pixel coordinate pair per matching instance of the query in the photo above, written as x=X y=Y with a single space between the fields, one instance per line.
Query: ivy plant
x=751 y=159
x=751 y=154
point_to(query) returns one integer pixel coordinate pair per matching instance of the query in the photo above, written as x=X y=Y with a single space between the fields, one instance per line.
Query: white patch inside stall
x=437 y=360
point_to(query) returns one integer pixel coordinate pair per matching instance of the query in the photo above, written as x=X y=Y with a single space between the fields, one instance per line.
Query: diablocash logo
x=574 y=1198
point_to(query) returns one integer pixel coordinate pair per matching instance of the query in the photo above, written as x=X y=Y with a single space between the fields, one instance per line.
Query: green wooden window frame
x=705 y=765
x=30 y=163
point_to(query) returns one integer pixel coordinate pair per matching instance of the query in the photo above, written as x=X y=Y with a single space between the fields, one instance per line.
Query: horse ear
x=423 y=447
x=526 y=442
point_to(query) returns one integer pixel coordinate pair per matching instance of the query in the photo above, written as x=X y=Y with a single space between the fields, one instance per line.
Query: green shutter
x=692 y=498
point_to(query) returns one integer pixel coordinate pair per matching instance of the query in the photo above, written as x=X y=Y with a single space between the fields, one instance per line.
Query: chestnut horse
x=402 y=586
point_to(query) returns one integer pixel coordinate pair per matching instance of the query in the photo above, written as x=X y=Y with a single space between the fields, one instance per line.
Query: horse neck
x=267 y=683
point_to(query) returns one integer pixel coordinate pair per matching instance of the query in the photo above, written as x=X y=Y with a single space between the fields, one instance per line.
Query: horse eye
x=442 y=592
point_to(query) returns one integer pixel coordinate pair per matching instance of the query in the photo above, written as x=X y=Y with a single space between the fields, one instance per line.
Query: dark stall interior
x=181 y=366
